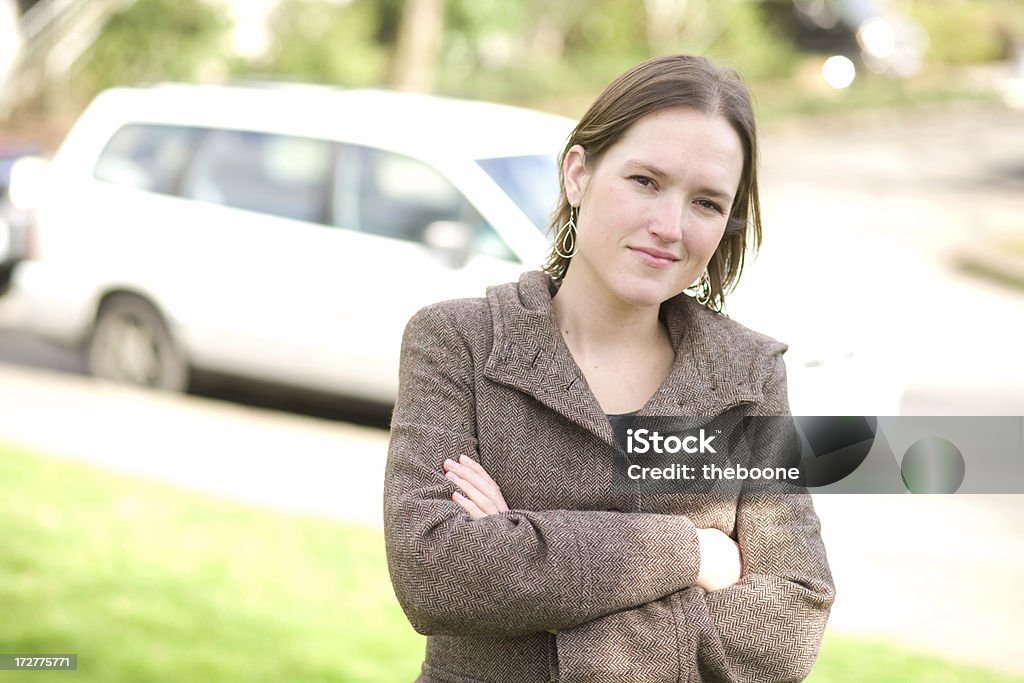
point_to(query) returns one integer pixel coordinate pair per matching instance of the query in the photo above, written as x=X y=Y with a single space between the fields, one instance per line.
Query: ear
x=575 y=174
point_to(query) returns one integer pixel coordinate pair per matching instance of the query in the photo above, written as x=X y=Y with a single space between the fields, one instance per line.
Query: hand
x=479 y=495
x=720 y=562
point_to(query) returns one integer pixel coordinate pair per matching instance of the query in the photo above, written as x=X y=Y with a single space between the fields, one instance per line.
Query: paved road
x=23 y=349
x=869 y=218
x=868 y=221
x=268 y=457
x=939 y=574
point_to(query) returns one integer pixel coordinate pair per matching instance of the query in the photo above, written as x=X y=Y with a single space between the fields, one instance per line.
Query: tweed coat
x=577 y=582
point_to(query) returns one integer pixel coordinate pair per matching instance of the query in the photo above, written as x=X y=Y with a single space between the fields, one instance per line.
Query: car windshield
x=531 y=181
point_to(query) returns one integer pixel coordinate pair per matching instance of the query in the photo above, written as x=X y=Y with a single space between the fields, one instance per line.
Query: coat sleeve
x=766 y=627
x=515 y=572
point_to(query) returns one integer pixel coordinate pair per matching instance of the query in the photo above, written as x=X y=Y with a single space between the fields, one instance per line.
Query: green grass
x=855 y=660
x=146 y=582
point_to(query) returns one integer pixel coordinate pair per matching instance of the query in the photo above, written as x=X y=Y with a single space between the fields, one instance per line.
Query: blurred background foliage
x=326 y=42
x=970 y=31
x=550 y=55
x=153 y=40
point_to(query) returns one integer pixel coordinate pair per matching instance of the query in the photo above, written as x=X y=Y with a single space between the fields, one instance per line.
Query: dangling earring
x=702 y=288
x=565 y=240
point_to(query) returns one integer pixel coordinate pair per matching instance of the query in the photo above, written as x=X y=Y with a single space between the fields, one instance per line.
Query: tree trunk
x=419 y=44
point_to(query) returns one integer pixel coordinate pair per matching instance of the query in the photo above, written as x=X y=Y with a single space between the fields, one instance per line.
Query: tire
x=130 y=343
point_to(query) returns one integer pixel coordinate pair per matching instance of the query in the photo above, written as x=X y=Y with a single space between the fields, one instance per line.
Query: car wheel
x=130 y=343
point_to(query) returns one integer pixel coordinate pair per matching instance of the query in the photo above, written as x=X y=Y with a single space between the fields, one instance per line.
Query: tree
x=327 y=42
x=419 y=45
x=153 y=40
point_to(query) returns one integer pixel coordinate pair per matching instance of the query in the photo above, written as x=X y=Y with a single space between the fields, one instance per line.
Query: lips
x=656 y=258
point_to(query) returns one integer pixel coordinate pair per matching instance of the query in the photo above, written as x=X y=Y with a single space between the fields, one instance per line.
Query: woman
x=507 y=544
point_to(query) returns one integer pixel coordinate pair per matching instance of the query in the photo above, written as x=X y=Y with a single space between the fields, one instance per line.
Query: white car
x=283 y=233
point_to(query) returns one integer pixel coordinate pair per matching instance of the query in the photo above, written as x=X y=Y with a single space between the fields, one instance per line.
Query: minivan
x=281 y=233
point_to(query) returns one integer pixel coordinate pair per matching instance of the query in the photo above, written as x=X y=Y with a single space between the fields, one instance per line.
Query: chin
x=646 y=293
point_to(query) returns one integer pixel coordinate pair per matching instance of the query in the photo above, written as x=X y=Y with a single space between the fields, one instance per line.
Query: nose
x=668 y=220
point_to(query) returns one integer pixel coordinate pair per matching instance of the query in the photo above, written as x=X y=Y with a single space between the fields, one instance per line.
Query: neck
x=593 y=320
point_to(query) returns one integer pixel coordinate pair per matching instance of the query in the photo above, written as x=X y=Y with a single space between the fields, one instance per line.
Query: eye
x=708 y=204
x=643 y=180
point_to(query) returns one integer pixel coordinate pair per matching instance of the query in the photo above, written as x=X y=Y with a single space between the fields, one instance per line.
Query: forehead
x=681 y=136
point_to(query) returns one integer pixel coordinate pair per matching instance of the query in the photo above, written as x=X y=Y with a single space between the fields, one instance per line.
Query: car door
x=386 y=267
x=258 y=205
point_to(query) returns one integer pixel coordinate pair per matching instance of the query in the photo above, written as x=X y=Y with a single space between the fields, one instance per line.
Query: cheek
x=703 y=242
x=606 y=214
x=605 y=199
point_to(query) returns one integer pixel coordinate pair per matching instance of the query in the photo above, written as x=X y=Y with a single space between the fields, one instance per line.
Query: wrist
x=703 y=553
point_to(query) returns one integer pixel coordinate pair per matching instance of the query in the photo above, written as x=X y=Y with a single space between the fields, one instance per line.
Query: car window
x=274 y=174
x=146 y=156
x=393 y=195
x=531 y=181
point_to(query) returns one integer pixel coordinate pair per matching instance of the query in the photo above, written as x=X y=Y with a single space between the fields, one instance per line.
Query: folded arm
x=766 y=627
x=517 y=571
x=480 y=496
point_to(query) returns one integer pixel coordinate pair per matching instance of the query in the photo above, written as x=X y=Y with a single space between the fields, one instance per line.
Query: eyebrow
x=657 y=173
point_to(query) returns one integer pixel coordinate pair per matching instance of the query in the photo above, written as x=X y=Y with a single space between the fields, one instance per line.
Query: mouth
x=655 y=258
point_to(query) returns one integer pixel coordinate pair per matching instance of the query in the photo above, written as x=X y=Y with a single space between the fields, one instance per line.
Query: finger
x=469 y=506
x=472 y=464
x=471 y=471
x=468 y=465
x=470 y=491
x=478 y=478
x=474 y=494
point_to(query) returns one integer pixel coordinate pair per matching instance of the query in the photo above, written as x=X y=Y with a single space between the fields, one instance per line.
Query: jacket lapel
x=529 y=355
x=713 y=371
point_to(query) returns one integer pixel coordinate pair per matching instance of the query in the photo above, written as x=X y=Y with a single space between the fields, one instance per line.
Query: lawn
x=146 y=582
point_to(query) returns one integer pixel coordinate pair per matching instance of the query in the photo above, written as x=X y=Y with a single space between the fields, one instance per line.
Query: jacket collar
x=530 y=355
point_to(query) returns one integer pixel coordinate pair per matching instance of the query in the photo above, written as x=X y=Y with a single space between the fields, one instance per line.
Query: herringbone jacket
x=613 y=574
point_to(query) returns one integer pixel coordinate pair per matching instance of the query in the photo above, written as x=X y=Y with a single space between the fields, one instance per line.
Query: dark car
x=875 y=35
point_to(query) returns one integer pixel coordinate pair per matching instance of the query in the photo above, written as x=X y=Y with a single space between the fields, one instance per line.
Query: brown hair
x=660 y=83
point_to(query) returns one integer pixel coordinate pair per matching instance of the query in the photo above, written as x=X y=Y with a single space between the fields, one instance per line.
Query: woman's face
x=653 y=210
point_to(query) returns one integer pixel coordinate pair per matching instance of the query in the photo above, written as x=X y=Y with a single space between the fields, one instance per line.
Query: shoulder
x=720 y=332
x=481 y=320
x=742 y=339
x=761 y=354
x=725 y=349
x=758 y=359
x=460 y=313
x=456 y=321
x=469 y=322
